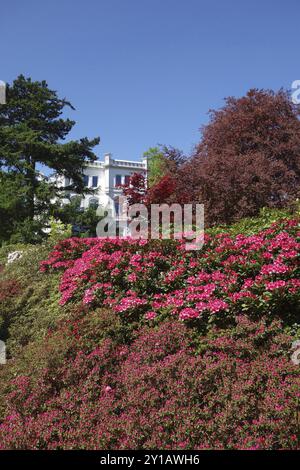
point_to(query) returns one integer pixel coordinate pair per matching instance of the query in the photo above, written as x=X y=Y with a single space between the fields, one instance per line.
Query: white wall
x=107 y=173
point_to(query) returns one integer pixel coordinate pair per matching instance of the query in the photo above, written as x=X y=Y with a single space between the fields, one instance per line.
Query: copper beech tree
x=248 y=158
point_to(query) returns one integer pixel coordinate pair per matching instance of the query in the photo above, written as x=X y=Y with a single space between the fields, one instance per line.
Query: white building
x=105 y=179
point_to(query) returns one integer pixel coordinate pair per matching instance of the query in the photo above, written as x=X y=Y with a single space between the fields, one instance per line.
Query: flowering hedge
x=257 y=275
x=235 y=389
x=123 y=369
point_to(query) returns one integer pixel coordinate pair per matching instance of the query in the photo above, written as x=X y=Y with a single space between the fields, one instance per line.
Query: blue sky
x=142 y=72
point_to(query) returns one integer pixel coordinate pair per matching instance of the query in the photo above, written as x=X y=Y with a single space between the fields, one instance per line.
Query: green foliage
x=12 y=195
x=81 y=220
x=252 y=225
x=33 y=309
x=58 y=230
x=157 y=165
x=32 y=132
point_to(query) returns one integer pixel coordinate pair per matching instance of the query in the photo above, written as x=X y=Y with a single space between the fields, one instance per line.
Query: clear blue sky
x=142 y=72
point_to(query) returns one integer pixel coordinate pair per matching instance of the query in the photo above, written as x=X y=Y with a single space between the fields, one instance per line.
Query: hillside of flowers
x=152 y=280
x=125 y=344
x=238 y=392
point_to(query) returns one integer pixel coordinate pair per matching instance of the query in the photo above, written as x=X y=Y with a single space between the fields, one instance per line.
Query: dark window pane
x=127 y=179
x=95 y=182
x=86 y=180
x=118 y=180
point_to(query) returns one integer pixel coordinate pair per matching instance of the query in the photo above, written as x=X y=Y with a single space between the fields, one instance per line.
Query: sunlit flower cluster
x=153 y=278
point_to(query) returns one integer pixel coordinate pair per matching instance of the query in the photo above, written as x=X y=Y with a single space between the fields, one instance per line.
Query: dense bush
x=166 y=389
x=257 y=274
x=253 y=225
x=29 y=299
x=8 y=290
x=150 y=346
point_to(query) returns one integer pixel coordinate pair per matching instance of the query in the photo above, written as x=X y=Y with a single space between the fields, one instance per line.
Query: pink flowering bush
x=167 y=389
x=152 y=280
x=153 y=346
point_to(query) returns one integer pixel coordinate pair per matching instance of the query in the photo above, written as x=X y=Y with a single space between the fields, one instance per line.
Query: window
x=86 y=180
x=118 y=180
x=95 y=181
x=117 y=207
x=127 y=180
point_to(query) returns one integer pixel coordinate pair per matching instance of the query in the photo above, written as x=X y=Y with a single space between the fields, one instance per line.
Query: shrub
x=117 y=366
x=30 y=306
x=8 y=290
x=148 y=281
x=167 y=390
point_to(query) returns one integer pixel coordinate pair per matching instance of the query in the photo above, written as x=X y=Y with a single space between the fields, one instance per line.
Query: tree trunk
x=31 y=184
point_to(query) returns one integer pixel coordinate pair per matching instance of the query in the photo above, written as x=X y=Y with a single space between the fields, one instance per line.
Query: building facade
x=105 y=178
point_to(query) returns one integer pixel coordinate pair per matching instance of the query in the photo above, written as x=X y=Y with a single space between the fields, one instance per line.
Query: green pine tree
x=33 y=131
